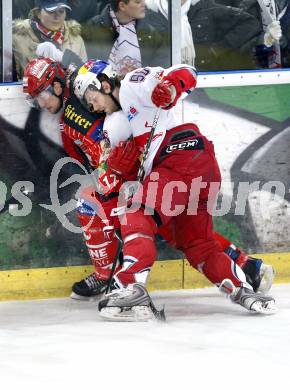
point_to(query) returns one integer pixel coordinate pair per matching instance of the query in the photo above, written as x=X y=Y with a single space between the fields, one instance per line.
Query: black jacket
x=152 y=32
x=224 y=37
x=262 y=52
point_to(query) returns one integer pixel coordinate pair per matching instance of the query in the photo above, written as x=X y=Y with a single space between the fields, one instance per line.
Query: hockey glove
x=273 y=33
x=124 y=160
x=164 y=95
x=168 y=91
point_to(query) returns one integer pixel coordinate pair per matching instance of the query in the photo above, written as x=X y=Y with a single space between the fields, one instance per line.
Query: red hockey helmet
x=39 y=74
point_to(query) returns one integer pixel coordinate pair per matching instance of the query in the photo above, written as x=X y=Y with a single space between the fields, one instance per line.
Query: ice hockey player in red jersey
x=47 y=86
x=179 y=155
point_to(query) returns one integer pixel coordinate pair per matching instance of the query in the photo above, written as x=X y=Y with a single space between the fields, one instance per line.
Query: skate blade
x=134 y=314
x=268 y=308
x=77 y=297
x=267 y=277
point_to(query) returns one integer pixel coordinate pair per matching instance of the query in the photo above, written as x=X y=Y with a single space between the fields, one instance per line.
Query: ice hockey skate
x=132 y=303
x=89 y=288
x=249 y=299
x=259 y=275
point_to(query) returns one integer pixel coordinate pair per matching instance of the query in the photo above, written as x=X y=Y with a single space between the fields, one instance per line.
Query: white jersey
x=117 y=128
x=136 y=103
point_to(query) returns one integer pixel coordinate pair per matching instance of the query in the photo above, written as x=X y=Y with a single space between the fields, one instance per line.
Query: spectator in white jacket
x=187 y=45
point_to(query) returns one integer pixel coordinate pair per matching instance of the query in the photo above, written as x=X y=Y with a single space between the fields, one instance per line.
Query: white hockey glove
x=47 y=49
x=273 y=33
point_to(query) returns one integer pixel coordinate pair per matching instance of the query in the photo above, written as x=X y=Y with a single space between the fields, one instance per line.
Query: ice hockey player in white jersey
x=179 y=157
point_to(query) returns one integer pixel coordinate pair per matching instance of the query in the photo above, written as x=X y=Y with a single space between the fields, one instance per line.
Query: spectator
x=283 y=8
x=20 y=8
x=271 y=50
x=128 y=35
x=223 y=36
x=46 y=23
x=187 y=46
x=82 y=10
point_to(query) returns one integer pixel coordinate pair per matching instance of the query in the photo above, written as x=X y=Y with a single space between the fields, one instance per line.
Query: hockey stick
x=134 y=185
x=140 y=177
x=133 y=188
x=120 y=247
x=158 y=314
x=141 y=171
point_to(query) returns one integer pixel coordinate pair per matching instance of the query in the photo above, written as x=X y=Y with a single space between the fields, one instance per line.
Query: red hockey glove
x=124 y=160
x=163 y=94
x=168 y=91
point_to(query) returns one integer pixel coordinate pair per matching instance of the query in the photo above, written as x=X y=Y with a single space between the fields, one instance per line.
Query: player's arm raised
x=177 y=80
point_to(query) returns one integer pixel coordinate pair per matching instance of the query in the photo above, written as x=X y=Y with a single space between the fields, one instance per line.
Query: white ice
x=206 y=343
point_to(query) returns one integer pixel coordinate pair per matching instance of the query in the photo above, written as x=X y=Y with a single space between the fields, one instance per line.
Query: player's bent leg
x=258 y=274
x=139 y=250
x=248 y=299
x=207 y=257
x=216 y=266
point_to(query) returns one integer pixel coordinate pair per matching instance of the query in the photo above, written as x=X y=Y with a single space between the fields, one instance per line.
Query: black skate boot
x=259 y=275
x=88 y=288
x=247 y=298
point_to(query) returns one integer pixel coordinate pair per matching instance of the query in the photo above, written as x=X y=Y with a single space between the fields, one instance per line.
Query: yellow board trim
x=166 y=275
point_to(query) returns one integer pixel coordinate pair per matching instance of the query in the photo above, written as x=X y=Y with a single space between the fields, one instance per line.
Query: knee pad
x=138 y=224
x=138 y=233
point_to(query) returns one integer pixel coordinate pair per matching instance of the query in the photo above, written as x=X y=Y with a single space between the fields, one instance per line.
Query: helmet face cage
x=39 y=100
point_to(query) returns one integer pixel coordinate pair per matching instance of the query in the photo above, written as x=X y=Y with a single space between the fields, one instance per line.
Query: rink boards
x=166 y=275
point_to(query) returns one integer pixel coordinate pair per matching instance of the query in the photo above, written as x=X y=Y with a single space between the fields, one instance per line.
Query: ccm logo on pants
x=191 y=144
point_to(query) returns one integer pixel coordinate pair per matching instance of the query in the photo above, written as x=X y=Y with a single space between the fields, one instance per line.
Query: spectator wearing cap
x=82 y=10
x=47 y=23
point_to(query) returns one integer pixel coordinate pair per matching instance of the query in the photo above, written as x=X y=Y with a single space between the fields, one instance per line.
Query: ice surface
x=207 y=343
